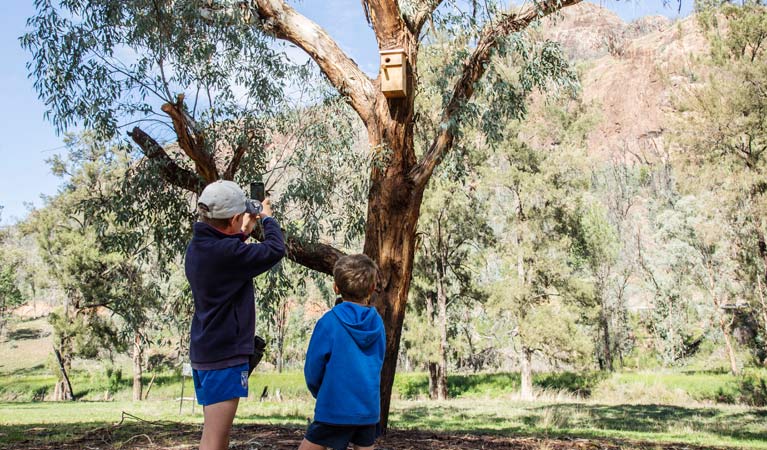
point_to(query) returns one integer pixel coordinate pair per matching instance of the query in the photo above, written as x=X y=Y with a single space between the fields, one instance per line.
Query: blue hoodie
x=343 y=365
x=220 y=269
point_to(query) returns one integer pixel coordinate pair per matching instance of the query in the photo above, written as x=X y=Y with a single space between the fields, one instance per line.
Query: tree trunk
x=391 y=243
x=604 y=323
x=763 y=279
x=282 y=329
x=137 y=367
x=526 y=374
x=723 y=326
x=64 y=386
x=442 y=324
x=760 y=292
x=394 y=205
x=433 y=376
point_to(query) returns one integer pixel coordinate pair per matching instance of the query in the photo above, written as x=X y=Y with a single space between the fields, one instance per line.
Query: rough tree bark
x=442 y=325
x=604 y=324
x=396 y=190
x=526 y=372
x=64 y=386
x=724 y=326
x=138 y=386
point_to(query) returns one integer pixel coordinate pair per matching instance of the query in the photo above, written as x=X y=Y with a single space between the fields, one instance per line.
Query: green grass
x=683 y=387
x=416 y=385
x=705 y=426
x=661 y=406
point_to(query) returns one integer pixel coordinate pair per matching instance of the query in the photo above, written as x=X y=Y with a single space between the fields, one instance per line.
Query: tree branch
x=169 y=170
x=343 y=73
x=248 y=142
x=473 y=70
x=234 y=164
x=315 y=256
x=387 y=22
x=191 y=140
x=420 y=12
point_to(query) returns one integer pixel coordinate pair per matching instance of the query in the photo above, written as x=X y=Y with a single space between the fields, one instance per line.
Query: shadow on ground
x=132 y=434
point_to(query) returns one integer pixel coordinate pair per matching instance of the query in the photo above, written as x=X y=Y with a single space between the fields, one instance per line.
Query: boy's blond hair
x=355 y=276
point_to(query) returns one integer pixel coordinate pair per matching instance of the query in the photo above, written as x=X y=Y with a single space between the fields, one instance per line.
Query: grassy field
x=659 y=406
x=731 y=426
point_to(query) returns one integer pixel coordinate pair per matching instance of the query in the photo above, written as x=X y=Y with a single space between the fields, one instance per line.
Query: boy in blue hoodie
x=344 y=360
x=220 y=268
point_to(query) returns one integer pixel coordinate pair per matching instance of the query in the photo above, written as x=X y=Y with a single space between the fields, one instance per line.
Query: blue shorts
x=338 y=437
x=215 y=386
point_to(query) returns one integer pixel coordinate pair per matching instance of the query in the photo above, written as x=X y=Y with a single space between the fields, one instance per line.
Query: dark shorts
x=215 y=386
x=338 y=437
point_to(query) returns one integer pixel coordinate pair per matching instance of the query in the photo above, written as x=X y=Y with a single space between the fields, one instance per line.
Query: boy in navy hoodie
x=220 y=268
x=344 y=360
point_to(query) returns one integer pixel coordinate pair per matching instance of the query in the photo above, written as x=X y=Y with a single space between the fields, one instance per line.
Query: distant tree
x=452 y=230
x=96 y=262
x=610 y=253
x=601 y=248
x=722 y=132
x=536 y=290
x=10 y=294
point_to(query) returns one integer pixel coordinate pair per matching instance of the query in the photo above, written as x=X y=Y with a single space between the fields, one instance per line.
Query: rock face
x=630 y=72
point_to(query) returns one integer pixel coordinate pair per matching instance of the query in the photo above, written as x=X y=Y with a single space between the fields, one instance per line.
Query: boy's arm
x=317 y=356
x=257 y=258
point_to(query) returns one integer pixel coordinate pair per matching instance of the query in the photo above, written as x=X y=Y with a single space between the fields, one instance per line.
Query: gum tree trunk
x=137 y=368
x=442 y=324
x=526 y=374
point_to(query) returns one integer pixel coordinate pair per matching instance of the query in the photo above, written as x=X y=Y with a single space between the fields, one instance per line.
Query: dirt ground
x=169 y=435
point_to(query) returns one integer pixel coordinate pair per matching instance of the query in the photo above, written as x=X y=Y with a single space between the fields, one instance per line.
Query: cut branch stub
x=191 y=142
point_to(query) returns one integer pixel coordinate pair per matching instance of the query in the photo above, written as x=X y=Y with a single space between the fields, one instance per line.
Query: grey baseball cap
x=223 y=199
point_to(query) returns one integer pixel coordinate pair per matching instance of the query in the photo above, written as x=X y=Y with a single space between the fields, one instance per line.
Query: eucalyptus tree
x=723 y=124
x=97 y=62
x=721 y=131
x=600 y=251
x=536 y=289
x=10 y=294
x=110 y=289
x=453 y=230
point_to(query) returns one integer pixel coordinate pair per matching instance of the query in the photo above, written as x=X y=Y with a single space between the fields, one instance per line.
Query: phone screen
x=257 y=191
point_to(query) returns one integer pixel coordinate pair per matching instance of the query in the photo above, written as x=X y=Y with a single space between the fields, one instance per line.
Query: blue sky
x=28 y=140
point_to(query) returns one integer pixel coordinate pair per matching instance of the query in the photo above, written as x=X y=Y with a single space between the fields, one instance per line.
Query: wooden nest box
x=394 y=73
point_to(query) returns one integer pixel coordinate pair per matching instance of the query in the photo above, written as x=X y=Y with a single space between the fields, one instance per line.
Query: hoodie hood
x=361 y=322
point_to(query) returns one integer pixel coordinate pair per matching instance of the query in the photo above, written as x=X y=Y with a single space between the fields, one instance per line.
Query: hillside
x=630 y=71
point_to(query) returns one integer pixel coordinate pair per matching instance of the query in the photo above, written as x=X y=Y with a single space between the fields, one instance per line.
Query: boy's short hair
x=355 y=275
x=216 y=223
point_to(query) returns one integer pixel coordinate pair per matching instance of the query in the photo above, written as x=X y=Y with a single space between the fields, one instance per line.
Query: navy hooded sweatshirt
x=220 y=269
x=343 y=365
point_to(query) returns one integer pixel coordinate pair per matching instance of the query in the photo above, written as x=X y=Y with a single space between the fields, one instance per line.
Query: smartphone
x=257 y=191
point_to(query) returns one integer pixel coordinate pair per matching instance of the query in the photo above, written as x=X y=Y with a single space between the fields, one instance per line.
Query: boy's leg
x=306 y=445
x=218 y=424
